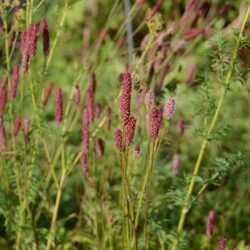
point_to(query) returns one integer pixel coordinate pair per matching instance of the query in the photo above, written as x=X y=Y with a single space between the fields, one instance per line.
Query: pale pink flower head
x=149 y=98
x=222 y=242
x=130 y=130
x=118 y=140
x=211 y=223
x=169 y=108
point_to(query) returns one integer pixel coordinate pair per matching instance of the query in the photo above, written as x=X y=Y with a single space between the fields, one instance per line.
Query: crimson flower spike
x=222 y=242
x=118 y=140
x=125 y=98
x=59 y=105
x=33 y=34
x=99 y=147
x=130 y=130
x=155 y=121
x=85 y=131
x=46 y=41
x=211 y=223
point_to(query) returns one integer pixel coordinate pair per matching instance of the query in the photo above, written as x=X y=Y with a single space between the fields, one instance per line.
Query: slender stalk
x=185 y=209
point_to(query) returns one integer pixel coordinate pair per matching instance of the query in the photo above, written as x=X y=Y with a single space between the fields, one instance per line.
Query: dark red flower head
x=59 y=105
x=118 y=140
x=46 y=42
x=14 y=82
x=155 y=121
x=130 y=130
x=47 y=93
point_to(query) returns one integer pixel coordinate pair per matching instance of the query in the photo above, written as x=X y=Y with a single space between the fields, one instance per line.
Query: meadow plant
x=114 y=138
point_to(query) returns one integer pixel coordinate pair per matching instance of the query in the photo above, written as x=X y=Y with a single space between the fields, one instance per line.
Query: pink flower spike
x=77 y=96
x=130 y=130
x=85 y=131
x=211 y=223
x=59 y=105
x=46 y=41
x=97 y=111
x=222 y=243
x=118 y=140
x=149 y=98
x=85 y=167
x=125 y=98
x=169 y=108
x=155 y=121
x=33 y=38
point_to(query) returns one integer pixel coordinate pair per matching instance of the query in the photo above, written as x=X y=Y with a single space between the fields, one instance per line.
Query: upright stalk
x=189 y=192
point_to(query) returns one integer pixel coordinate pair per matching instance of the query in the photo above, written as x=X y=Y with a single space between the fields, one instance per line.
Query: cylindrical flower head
x=59 y=105
x=3 y=96
x=85 y=131
x=47 y=93
x=137 y=149
x=108 y=117
x=211 y=223
x=2 y=136
x=125 y=98
x=149 y=98
x=14 y=82
x=169 y=108
x=222 y=242
x=118 y=139
x=33 y=37
x=99 y=147
x=225 y=9
x=90 y=104
x=130 y=130
x=45 y=31
x=18 y=124
x=26 y=127
x=24 y=48
x=77 y=96
x=176 y=164
x=181 y=126
x=155 y=121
